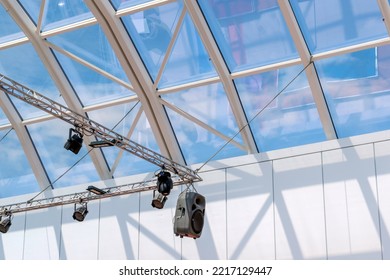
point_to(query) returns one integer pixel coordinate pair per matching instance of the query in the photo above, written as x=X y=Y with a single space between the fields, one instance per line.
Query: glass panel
x=358 y=94
x=209 y=104
x=91 y=87
x=189 y=60
x=151 y=31
x=331 y=24
x=16 y=176
x=32 y=8
x=59 y=13
x=23 y=65
x=91 y=45
x=12 y=32
x=121 y=4
x=249 y=33
x=120 y=119
x=63 y=167
x=289 y=120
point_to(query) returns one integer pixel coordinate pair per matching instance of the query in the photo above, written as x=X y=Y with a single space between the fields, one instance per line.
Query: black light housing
x=158 y=200
x=74 y=142
x=100 y=144
x=80 y=213
x=96 y=190
x=5 y=224
x=164 y=183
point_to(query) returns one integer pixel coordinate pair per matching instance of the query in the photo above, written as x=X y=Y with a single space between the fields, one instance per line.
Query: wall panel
x=250 y=215
x=156 y=238
x=352 y=220
x=212 y=243
x=118 y=227
x=299 y=208
x=382 y=160
x=11 y=243
x=43 y=232
x=79 y=240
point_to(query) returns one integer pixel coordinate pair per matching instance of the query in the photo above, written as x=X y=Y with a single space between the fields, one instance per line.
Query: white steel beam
x=55 y=71
x=224 y=73
x=310 y=71
x=138 y=75
x=385 y=9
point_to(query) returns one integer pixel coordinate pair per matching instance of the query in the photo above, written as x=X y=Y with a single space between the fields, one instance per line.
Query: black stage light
x=5 y=224
x=164 y=183
x=158 y=200
x=74 y=142
x=80 y=213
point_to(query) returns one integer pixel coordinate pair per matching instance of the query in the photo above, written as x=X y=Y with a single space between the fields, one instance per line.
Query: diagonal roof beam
x=26 y=142
x=223 y=71
x=310 y=71
x=385 y=9
x=58 y=76
x=138 y=75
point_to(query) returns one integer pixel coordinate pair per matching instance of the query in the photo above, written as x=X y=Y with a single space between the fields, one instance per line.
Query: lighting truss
x=90 y=127
x=82 y=196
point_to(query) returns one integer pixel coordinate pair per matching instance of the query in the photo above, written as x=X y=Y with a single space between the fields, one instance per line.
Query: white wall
x=328 y=200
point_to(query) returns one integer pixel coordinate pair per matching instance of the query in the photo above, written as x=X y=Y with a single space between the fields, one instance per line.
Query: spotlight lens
x=80 y=213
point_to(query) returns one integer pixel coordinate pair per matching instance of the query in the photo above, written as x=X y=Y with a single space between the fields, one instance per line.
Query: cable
x=5 y=135
x=80 y=159
x=255 y=116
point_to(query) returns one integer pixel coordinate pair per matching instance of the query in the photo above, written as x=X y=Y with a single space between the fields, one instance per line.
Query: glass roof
x=192 y=80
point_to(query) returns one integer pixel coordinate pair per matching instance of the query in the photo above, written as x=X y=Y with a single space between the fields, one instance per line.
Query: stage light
x=80 y=213
x=158 y=200
x=164 y=183
x=74 y=142
x=96 y=190
x=5 y=223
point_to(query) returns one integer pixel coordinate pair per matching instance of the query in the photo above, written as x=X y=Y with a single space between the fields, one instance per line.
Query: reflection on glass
x=16 y=176
x=91 y=45
x=332 y=24
x=289 y=120
x=249 y=33
x=90 y=86
x=12 y=32
x=208 y=104
x=22 y=64
x=58 y=13
x=357 y=89
x=151 y=31
x=189 y=60
x=121 y=119
x=121 y=4
x=49 y=138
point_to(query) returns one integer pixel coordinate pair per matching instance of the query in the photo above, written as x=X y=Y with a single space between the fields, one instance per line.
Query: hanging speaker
x=189 y=215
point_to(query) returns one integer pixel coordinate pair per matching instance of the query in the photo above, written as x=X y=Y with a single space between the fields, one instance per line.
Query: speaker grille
x=197 y=221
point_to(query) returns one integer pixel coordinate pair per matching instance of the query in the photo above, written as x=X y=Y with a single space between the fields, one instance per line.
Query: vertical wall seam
x=60 y=237
x=24 y=235
x=98 y=231
x=324 y=202
x=273 y=204
x=226 y=217
x=377 y=197
x=139 y=225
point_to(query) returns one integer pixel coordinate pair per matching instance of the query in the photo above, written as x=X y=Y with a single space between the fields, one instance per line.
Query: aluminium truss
x=87 y=126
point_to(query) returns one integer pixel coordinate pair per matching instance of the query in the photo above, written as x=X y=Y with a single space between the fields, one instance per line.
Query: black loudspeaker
x=189 y=216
